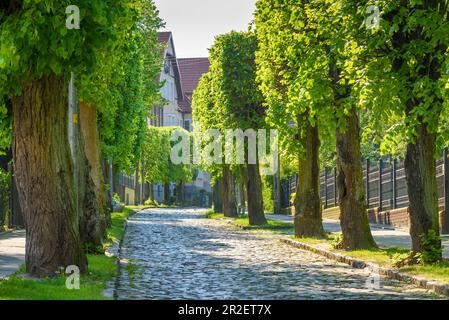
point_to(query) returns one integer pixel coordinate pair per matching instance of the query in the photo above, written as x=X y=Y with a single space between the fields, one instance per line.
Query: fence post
x=446 y=192
x=380 y=185
x=325 y=188
x=394 y=182
x=367 y=183
x=335 y=188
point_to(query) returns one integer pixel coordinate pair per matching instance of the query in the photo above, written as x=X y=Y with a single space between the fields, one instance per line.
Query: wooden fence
x=385 y=182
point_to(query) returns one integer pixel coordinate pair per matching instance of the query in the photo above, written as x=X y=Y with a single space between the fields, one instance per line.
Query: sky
x=195 y=23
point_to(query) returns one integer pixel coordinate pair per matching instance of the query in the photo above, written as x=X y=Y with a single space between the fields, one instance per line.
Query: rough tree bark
x=420 y=170
x=308 y=209
x=166 y=193
x=44 y=176
x=93 y=220
x=229 y=201
x=256 y=214
x=353 y=210
x=180 y=193
x=218 y=196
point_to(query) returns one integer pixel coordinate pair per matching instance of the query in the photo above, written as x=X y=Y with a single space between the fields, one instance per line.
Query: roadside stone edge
x=441 y=289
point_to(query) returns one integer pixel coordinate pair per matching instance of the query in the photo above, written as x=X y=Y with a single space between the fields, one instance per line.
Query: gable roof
x=163 y=37
x=166 y=38
x=191 y=70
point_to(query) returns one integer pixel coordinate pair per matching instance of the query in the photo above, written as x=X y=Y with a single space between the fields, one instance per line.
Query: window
x=168 y=90
x=187 y=125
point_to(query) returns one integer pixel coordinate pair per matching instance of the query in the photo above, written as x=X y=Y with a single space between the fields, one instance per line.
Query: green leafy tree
x=37 y=54
x=239 y=103
x=408 y=54
x=157 y=162
x=286 y=54
x=206 y=115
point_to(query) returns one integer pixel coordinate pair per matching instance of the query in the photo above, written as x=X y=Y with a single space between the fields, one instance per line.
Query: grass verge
x=244 y=221
x=116 y=231
x=386 y=257
x=102 y=269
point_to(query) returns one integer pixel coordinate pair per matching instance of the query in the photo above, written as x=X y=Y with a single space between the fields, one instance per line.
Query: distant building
x=170 y=114
x=191 y=71
x=181 y=78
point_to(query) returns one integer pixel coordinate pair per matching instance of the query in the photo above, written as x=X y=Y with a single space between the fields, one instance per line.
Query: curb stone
x=438 y=288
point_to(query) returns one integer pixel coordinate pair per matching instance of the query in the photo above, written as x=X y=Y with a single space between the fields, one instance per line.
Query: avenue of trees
x=115 y=58
x=226 y=99
x=338 y=79
x=158 y=167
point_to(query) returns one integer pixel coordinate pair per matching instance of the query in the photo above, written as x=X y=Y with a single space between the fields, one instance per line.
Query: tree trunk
x=218 y=196
x=420 y=169
x=137 y=185
x=93 y=220
x=242 y=195
x=142 y=182
x=308 y=209
x=229 y=203
x=151 y=191
x=167 y=193
x=116 y=183
x=107 y=207
x=255 y=200
x=353 y=209
x=44 y=176
x=180 y=193
x=243 y=188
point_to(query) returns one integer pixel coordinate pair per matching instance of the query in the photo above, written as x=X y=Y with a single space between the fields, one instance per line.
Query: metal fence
x=385 y=183
x=10 y=211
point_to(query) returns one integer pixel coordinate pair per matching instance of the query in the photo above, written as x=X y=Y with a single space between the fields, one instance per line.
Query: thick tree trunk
x=420 y=169
x=308 y=209
x=218 y=196
x=180 y=193
x=44 y=176
x=353 y=210
x=93 y=221
x=229 y=202
x=255 y=200
x=167 y=193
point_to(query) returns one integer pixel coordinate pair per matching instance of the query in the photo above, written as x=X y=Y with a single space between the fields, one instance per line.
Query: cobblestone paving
x=178 y=254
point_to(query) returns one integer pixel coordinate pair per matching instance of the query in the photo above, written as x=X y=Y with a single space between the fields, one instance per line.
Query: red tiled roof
x=163 y=37
x=191 y=70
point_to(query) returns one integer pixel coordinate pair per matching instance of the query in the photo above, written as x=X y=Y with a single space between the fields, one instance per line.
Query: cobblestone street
x=179 y=254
